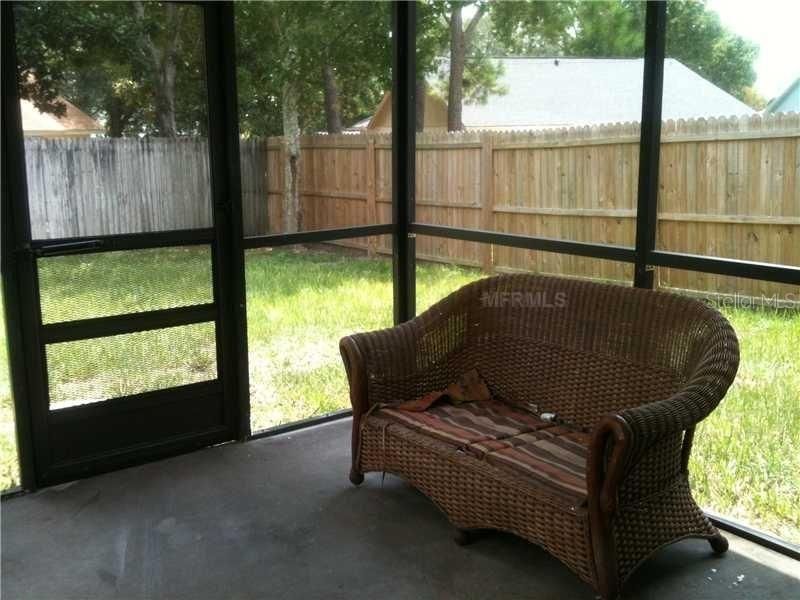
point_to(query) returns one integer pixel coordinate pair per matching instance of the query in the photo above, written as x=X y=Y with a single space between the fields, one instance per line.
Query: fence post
x=263 y=145
x=372 y=201
x=487 y=197
x=280 y=174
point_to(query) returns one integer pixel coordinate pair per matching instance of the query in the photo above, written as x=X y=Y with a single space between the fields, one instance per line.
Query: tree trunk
x=163 y=62
x=292 y=215
x=455 y=92
x=165 y=96
x=117 y=117
x=333 y=112
x=421 y=90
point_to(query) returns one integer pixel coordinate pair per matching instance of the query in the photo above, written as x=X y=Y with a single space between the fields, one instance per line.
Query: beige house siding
x=435 y=114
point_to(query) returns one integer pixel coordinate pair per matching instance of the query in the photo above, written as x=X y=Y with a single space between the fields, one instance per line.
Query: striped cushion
x=553 y=456
x=469 y=423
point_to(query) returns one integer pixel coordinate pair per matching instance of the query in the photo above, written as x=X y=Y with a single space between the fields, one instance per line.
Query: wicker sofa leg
x=463 y=537
x=356 y=476
x=719 y=543
x=607 y=584
x=608 y=592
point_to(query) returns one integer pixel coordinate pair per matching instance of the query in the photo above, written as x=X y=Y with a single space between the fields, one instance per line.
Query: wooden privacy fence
x=103 y=186
x=728 y=187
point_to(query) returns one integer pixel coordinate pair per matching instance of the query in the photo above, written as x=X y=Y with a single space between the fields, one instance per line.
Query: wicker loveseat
x=601 y=482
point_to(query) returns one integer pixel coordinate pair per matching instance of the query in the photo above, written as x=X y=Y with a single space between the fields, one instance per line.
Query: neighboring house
x=73 y=123
x=545 y=93
x=788 y=101
x=435 y=114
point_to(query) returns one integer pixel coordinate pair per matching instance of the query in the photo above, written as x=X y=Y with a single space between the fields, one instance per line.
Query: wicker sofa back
x=574 y=347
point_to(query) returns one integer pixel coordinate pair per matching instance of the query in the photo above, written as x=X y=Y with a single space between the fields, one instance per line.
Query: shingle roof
x=549 y=92
x=73 y=122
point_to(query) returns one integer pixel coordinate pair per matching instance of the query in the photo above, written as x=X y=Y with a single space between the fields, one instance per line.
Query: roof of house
x=566 y=92
x=73 y=122
x=788 y=101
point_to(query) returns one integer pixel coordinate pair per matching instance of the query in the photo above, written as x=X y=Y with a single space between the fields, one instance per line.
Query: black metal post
x=404 y=22
x=17 y=259
x=650 y=142
x=223 y=134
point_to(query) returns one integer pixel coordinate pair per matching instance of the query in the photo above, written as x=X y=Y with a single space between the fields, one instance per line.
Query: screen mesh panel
x=544 y=141
x=301 y=300
x=84 y=286
x=744 y=449
x=112 y=144
x=728 y=177
x=97 y=369
x=327 y=180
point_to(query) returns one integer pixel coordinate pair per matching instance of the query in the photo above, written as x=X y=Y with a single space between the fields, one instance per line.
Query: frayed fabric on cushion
x=469 y=388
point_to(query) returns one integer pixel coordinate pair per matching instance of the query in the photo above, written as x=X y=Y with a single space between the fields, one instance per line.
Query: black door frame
x=223 y=137
x=404 y=227
x=219 y=408
x=17 y=284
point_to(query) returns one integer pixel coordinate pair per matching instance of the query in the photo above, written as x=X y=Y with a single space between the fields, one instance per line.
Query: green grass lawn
x=300 y=302
x=299 y=306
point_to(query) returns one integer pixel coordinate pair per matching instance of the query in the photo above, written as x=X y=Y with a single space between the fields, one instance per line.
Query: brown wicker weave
x=639 y=369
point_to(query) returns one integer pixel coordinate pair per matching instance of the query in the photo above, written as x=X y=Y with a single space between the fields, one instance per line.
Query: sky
x=775 y=26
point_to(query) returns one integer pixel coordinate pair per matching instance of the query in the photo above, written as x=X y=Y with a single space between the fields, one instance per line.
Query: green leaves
x=96 y=56
x=279 y=42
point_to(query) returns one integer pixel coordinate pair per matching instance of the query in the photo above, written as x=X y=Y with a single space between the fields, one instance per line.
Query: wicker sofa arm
x=384 y=367
x=621 y=440
x=391 y=365
x=706 y=387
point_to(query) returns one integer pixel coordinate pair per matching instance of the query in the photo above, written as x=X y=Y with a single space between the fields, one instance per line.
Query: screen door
x=122 y=256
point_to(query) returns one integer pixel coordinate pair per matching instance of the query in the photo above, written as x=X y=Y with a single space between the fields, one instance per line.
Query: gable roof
x=561 y=92
x=74 y=122
x=435 y=114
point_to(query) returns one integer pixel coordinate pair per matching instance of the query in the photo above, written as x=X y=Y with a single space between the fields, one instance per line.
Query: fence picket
x=105 y=186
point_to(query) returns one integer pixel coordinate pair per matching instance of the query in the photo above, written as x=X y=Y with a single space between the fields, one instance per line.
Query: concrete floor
x=277 y=518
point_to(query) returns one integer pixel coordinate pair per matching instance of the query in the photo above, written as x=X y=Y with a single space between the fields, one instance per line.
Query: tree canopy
x=280 y=43
x=695 y=36
x=139 y=66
